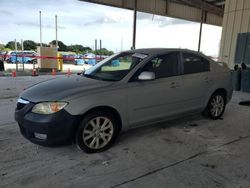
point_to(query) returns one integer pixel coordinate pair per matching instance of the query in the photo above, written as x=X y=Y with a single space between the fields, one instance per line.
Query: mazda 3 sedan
x=126 y=90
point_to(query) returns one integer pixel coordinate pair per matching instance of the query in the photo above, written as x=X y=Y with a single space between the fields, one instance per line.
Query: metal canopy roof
x=209 y=11
x=212 y=6
x=217 y=3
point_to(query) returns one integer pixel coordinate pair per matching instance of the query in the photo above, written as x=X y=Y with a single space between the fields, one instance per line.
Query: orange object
x=69 y=72
x=13 y=73
x=54 y=107
x=34 y=72
x=53 y=72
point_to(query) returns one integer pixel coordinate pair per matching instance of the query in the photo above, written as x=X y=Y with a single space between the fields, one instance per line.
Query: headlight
x=48 y=107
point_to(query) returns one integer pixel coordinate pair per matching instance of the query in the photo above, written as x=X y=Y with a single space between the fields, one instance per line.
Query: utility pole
x=95 y=48
x=100 y=44
x=22 y=53
x=40 y=21
x=56 y=31
x=100 y=49
x=121 y=44
x=16 y=55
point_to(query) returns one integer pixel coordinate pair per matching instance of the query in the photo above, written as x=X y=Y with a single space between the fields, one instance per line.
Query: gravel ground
x=188 y=152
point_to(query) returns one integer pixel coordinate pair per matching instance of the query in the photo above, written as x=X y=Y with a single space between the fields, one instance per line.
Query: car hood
x=62 y=88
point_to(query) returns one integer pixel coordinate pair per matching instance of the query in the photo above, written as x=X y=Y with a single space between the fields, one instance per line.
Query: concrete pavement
x=189 y=152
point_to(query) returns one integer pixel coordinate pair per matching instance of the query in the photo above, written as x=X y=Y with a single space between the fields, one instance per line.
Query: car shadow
x=184 y=122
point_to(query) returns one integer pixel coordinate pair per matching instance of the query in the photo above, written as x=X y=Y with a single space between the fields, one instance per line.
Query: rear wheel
x=216 y=105
x=97 y=132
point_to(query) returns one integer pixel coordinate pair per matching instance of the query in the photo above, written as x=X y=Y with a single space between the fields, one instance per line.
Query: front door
x=158 y=98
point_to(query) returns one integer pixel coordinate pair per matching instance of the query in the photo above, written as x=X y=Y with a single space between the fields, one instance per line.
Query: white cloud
x=82 y=23
x=1 y=42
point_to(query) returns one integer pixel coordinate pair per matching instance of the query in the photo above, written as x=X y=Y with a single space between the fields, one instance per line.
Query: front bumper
x=57 y=128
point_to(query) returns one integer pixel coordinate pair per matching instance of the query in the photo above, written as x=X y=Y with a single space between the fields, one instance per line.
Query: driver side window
x=163 y=65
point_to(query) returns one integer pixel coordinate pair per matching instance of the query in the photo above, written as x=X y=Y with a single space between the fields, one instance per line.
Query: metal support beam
x=134 y=24
x=200 y=35
x=166 y=7
x=171 y=8
x=123 y=3
x=204 y=6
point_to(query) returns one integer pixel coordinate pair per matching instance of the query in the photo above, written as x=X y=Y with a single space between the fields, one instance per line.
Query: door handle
x=207 y=80
x=173 y=85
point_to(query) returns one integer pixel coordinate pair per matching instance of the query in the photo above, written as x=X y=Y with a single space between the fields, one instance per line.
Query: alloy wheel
x=217 y=105
x=98 y=132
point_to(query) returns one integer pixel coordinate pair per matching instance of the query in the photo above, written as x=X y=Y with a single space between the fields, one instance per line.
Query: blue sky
x=82 y=23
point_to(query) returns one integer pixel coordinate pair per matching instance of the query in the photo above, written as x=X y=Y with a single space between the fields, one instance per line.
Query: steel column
x=134 y=24
x=200 y=35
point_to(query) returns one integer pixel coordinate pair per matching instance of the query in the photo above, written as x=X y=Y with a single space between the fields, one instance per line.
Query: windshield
x=115 y=67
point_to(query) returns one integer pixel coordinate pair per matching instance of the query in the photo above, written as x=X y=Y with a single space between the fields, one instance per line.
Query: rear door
x=196 y=79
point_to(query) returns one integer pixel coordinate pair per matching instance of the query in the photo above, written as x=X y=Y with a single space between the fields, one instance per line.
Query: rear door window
x=193 y=63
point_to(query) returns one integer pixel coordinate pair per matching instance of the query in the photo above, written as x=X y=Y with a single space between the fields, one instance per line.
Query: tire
x=92 y=136
x=216 y=106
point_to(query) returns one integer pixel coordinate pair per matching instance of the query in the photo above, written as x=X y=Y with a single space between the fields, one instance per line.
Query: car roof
x=160 y=50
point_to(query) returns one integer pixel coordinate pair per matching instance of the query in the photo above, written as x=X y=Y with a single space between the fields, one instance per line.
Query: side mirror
x=146 y=75
x=79 y=73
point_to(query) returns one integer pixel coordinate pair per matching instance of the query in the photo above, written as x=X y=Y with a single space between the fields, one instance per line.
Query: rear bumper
x=56 y=129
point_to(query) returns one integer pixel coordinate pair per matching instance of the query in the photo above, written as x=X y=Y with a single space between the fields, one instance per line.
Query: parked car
x=7 y=56
x=125 y=90
x=22 y=57
x=89 y=58
x=2 y=55
x=79 y=60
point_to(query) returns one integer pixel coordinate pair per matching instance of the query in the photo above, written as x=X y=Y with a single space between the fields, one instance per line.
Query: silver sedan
x=126 y=90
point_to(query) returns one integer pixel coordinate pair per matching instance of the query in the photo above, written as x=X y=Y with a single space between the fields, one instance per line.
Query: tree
x=87 y=49
x=11 y=45
x=43 y=44
x=104 y=51
x=29 y=45
x=76 y=48
x=1 y=46
x=79 y=48
x=61 y=45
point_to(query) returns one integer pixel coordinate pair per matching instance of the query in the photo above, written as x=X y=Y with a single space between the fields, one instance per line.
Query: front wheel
x=216 y=106
x=97 y=132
